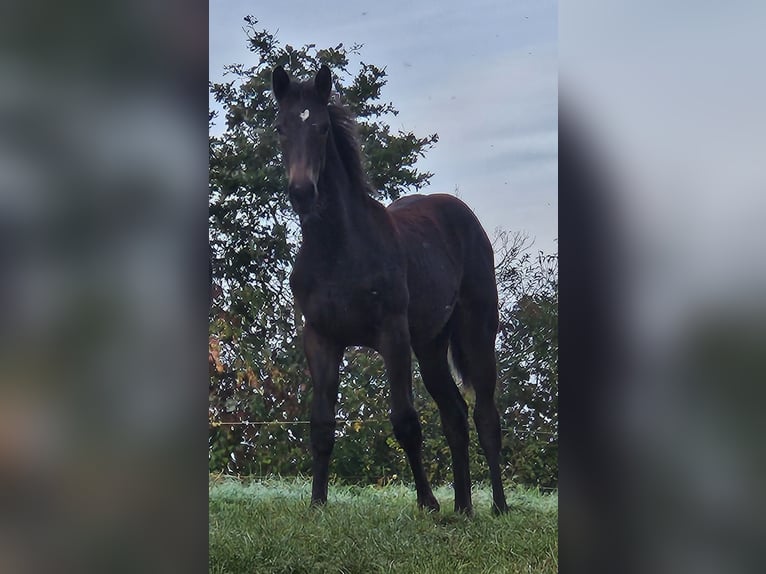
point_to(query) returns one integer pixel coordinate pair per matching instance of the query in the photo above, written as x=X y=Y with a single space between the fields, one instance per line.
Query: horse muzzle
x=303 y=196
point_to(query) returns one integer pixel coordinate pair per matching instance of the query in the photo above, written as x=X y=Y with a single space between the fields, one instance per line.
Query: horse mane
x=346 y=137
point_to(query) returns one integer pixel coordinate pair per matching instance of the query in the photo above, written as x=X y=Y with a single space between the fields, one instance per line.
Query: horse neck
x=343 y=208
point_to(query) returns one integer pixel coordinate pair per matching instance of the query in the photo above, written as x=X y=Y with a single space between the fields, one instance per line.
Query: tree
x=528 y=360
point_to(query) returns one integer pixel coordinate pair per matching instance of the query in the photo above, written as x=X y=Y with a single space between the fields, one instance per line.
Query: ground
x=266 y=526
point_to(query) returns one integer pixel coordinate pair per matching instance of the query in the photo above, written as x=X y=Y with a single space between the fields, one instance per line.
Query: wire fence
x=215 y=424
x=260 y=475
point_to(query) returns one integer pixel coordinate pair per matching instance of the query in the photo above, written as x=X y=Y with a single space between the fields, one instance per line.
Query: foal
x=417 y=276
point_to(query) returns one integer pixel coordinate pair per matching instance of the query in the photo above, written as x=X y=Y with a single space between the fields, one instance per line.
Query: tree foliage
x=527 y=354
x=257 y=369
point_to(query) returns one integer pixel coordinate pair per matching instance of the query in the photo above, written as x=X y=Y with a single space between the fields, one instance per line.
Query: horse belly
x=347 y=315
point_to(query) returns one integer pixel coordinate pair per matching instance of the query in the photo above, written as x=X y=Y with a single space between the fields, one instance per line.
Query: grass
x=267 y=526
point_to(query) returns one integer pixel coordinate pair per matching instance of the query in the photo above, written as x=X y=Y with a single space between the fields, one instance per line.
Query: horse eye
x=323 y=129
x=280 y=130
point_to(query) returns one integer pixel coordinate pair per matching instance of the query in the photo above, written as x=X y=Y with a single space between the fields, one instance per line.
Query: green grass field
x=268 y=527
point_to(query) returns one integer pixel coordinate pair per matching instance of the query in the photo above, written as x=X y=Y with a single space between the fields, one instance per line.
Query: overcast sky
x=482 y=74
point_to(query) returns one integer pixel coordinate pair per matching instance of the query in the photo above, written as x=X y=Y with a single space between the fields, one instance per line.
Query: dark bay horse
x=418 y=275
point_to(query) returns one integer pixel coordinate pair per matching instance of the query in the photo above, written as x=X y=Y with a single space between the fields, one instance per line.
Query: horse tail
x=457 y=358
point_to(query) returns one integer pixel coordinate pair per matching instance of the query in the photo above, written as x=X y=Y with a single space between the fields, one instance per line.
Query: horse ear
x=280 y=82
x=323 y=83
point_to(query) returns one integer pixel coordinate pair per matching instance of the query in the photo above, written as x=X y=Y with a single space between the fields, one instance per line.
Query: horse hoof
x=498 y=510
x=464 y=510
x=430 y=504
x=317 y=504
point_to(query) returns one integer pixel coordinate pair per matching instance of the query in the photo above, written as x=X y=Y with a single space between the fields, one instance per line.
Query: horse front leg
x=394 y=346
x=324 y=357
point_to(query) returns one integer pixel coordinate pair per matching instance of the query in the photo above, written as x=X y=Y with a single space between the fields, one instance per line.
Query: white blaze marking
x=304 y=115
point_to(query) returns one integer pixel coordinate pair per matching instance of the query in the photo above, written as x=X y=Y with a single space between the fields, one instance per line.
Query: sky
x=482 y=75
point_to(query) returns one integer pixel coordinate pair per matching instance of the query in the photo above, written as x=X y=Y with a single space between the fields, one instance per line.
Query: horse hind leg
x=473 y=343
x=453 y=410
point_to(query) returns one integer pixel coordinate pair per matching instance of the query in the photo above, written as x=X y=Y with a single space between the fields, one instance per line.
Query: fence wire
x=215 y=424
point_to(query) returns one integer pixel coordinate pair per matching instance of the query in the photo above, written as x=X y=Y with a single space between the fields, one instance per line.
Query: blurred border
x=104 y=290
x=663 y=314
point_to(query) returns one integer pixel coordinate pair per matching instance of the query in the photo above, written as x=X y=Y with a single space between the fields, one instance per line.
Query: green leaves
x=528 y=360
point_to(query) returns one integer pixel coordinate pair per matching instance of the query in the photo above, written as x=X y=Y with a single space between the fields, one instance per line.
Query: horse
x=417 y=276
